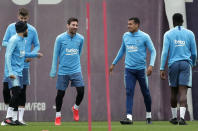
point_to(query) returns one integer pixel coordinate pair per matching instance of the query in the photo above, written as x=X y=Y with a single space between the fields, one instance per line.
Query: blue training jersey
x=31 y=40
x=15 y=56
x=179 y=44
x=135 y=45
x=68 y=50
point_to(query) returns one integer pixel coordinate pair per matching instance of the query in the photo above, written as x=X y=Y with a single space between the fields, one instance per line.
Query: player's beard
x=25 y=34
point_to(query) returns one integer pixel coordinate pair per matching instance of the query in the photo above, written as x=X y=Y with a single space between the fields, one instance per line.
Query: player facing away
x=67 y=48
x=179 y=44
x=134 y=45
x=14 y=59
x=31 y=41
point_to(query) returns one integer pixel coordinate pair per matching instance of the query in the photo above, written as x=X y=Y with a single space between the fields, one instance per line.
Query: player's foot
x=173 y=121
x=75 y=114
x=182 y=122
x=18 y=123
x=24 y=123
x=3 y=123
x=58 y=121
x=9 y=121
x=126 y=121
x=148 y=121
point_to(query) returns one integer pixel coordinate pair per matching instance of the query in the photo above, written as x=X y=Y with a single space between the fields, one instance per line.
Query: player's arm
x=81 y=46
x=55 y=58
x=9 y=51
x=120 y=54
x=164 y=57
x=33 y=55
x=152 y=50
x=36 y=42
x=6 y=37
x=193 y=50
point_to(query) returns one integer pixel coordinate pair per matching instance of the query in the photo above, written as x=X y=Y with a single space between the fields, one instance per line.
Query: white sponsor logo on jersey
x=132 y=48
x=71 y=51
x=179 y=43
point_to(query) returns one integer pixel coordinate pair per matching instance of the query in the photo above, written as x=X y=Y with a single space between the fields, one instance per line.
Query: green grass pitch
x=103 y=126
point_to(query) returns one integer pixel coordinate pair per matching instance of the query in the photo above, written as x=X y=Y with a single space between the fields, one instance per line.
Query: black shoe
x=126 y=121
x=9 y=121
x=148 y=121
x=18 y=123
x=173 y=121
x=182 y=122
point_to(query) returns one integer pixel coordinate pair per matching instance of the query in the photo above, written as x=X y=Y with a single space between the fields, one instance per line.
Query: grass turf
x=103 y=126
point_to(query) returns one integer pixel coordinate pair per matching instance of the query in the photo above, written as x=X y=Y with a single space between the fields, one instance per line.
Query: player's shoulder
x=79 y=36
x=12 y=25
x=13 y=38
x=61 y=36
x=31 y=28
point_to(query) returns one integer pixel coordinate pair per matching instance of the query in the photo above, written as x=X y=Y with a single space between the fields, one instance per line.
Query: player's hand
x=12 y=77
x=111 y=69
x=149 y=70
x=162 y=74
x=28 y=59
x=40 y=55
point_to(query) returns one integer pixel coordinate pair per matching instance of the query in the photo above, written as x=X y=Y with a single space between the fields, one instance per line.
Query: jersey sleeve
x=55 y=58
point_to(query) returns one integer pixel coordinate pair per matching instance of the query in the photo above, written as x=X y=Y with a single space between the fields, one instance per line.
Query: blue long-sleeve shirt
x=15 y=56
x=68 y=50
x=179 y=44
x=31 y=40
x=135 y=45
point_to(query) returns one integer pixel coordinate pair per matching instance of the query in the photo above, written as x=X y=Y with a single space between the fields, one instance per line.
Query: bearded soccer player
x=134 y=45
x=67 y=48
x=14 y=59
x=179 y=44
x=31 y=40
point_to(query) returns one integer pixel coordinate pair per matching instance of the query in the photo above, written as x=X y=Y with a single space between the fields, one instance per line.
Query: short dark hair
x=177 y=19
x=23 y=12
x=135 y=19
x=71 y=20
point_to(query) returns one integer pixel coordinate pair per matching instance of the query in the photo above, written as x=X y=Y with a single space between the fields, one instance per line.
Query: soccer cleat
x=126 y=121
x=182 y=122
x=25 y=124
x=75 y=114
x=148 y=121
x=18 y=123
x=3 y=123
x=58 y=121
x=173 y=121
x=9 y=121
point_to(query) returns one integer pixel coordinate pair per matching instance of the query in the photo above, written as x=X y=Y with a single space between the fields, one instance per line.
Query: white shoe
x=23 y=122
x=3 y=123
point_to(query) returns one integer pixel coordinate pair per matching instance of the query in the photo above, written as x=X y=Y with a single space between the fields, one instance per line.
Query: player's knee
x=60 y=94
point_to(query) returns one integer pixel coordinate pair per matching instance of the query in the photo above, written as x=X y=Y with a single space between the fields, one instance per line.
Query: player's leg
x=173 y=75
x=22 y=97
x=61 y=85
x=185 y=81
x=77 y=81
x=143 y=81
x=130 y=81
x=14 y=101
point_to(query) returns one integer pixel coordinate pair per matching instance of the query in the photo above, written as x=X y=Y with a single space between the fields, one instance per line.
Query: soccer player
x=67 y=48
x=31 y=40
x=179 y=44
x=14 y=59
x=134 y=45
